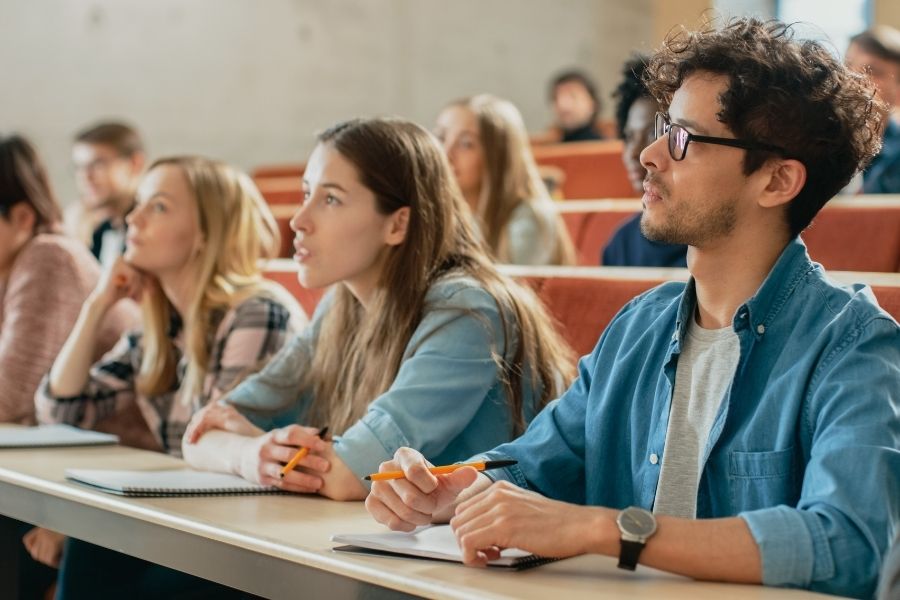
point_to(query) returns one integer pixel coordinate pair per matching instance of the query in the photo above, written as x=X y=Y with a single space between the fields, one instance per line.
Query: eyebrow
x=157 y=195
x=688 y=124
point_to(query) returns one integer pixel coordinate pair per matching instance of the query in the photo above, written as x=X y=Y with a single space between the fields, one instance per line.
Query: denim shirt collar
x=758 y=312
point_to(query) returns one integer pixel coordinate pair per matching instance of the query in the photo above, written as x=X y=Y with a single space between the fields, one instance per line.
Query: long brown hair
x=238 y=230
x=23 y=178
x=358 y=352
x=511 y=179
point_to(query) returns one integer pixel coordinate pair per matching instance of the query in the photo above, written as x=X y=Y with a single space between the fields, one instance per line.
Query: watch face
x=637 y=522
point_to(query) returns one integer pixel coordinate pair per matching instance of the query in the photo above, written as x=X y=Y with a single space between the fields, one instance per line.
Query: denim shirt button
x=760 y=329
x=654 y=458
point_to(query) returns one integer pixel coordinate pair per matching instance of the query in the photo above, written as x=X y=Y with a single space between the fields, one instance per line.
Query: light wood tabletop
x=279 y=546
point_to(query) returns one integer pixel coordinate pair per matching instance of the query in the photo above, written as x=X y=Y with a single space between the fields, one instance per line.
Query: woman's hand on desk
x=219 y=416
x=340 y=483
x=44 y=546
x=267 y=454
x=421 y=497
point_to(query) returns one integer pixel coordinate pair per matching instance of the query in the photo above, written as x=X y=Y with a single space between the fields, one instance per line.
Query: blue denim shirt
x=805 y=444
x=447 y=399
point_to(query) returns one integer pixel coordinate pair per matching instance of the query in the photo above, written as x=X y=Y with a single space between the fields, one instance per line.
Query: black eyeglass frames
x=680 y=138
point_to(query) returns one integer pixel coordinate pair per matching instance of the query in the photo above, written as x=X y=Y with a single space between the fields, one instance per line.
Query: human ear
x=786 y=178
x=398 y=224
x=22 y=217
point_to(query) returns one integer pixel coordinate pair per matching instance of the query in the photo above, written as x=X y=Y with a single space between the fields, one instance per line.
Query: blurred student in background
x=576 y=106
x=108 y=159
x=876 y=52
x=44 y=279
x=485 y=140
x=635 y=115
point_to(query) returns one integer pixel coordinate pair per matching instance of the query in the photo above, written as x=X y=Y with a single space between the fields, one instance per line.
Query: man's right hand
x=419 y=499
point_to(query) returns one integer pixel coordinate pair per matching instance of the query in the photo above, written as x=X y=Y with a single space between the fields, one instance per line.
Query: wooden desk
x=278 y=546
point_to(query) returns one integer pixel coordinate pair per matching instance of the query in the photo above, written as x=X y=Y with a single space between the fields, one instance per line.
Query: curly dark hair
x=791 y=94
x=631 y=89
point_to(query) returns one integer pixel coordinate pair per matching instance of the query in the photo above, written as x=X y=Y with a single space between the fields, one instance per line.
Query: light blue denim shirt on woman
x=805 y=444
x=447 y=400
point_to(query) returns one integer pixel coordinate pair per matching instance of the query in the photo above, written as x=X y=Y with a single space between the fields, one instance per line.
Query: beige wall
x=250 y=81
x=668 y=15
x=887 y=12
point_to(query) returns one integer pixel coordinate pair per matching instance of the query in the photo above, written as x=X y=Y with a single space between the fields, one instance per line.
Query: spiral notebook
x=171 y=482
x=436 y=542
x=50 y=436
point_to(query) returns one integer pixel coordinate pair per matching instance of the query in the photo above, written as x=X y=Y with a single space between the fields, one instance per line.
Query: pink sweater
x=39 y=303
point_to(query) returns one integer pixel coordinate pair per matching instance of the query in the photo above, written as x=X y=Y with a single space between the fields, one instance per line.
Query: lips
x=301 y=254
x=651 y=193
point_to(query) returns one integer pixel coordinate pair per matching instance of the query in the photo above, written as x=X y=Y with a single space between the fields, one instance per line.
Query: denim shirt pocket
x=762 y=479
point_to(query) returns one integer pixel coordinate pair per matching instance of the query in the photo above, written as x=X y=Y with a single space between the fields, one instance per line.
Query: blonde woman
x=194 y=241
x=209 y=318
x=487 y=145
x=420 y=341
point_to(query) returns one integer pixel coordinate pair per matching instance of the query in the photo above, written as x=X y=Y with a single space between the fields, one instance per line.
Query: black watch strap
x=629 y=553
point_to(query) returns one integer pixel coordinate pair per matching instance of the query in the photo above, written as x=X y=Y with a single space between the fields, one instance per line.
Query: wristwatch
x=636 y=525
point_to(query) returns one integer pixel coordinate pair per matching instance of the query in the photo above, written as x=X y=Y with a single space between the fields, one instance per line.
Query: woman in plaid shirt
x=209 y=318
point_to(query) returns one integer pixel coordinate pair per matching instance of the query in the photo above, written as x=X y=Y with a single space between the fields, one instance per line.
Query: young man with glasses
x=109 y=159
x=741 y=427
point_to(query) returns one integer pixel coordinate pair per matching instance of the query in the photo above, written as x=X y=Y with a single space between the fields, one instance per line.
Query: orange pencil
x=303 y=451
x=478 y=466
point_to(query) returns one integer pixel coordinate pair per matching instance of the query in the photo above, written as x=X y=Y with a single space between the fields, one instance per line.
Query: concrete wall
x=249 y=81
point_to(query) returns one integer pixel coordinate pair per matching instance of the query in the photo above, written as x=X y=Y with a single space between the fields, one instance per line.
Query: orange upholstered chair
x=861 y=233
x=583 y=300
x=281 y=190
x=849 y=234
x=282 y=170
x=592 y=169
x=592 y=223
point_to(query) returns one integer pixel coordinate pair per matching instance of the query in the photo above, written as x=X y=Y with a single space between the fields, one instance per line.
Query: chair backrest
x=592 y=169
x=583 y=300
x=860 y=233
x=591 y=224
x=281 y=190
x=279 y=170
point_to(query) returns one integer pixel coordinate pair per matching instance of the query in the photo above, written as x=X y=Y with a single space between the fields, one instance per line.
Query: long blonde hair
x=511 y=178
x=358 y=352
x=237 y=230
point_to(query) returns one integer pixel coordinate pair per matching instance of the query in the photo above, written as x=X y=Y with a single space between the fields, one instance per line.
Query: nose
x=449 y=151
x=301 y=221
x=654 y=156
x=133 y=217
